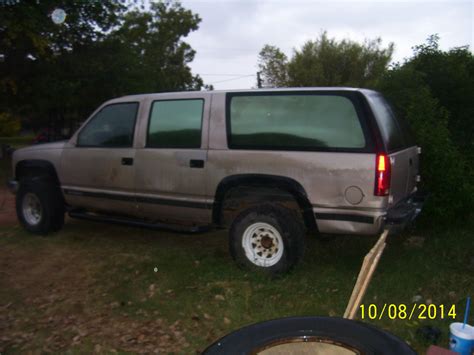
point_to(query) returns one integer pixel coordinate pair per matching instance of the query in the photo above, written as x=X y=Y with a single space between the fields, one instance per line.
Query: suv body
x=337 y=157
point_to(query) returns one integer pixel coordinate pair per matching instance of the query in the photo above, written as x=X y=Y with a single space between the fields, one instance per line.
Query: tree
x=103 y=50
x=29 y=37
x=159 y=58
x=445 y=170
x=327 y=62
x=450 y=77
x=273 y=64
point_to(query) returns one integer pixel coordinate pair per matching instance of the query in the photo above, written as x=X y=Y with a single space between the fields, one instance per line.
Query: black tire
x=281 y=220
x=48 y=194
x=295 y=331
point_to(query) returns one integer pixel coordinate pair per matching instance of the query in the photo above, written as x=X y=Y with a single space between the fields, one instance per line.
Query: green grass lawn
x=103 y=287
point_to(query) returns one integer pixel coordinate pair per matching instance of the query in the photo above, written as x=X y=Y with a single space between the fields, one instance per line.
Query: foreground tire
x=40 y=206
x=267 y=238
x=310 y=335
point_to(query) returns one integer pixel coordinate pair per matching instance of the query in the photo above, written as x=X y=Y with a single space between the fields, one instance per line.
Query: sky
x=232 y=32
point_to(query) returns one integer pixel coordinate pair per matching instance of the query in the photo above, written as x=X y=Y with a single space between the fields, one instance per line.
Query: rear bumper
x=405 y=211
x=349 y=221
x=369 y=221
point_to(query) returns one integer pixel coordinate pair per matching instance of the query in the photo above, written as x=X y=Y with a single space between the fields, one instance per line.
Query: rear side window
x=294 y=121
x=175 y=124
x=111 y=127
x=395 y=132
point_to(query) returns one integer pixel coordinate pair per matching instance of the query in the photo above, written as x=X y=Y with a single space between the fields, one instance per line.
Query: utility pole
x=259 y=80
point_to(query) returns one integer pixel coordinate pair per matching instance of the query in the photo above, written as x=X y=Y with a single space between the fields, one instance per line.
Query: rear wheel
x=40 y=206
x=268 y=238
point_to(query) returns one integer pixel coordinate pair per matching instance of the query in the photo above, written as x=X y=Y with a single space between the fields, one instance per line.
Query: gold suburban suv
x=267 y=164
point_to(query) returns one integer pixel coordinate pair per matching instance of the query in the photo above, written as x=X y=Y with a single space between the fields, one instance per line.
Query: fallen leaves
x=219 y=298
x=414 y=242
x=207 y=316
x=67 y=311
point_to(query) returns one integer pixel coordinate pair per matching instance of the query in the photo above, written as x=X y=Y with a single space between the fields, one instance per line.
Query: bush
x=450 y=77
x=444 y=170
x=9 y=125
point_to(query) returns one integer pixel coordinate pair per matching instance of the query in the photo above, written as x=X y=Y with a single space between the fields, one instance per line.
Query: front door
x=98 y=168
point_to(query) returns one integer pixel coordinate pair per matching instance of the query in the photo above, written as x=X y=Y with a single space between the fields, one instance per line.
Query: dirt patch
x=52 y=301
x=7 y=208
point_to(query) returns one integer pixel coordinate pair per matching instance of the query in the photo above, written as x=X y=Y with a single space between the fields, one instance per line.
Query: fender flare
x=286 y=184
x=36 y=168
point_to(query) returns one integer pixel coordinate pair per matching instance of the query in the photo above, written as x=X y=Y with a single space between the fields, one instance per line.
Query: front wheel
x=267 y=238
x=40 y=206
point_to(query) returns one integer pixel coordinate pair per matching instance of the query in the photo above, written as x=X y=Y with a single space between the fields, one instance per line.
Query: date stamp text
x=407 y=311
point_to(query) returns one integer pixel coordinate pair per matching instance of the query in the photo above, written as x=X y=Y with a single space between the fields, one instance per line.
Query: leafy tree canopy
x=450 y=77
x=433 y=91
x=104 y=49
x=28 y=35
x=326 y=62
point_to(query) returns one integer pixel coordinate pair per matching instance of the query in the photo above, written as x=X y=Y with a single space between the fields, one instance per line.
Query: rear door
x=171 y=169
x=400 y=146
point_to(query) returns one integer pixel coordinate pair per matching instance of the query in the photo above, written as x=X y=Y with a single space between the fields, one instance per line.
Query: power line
x=225 y=74
x=240 y=77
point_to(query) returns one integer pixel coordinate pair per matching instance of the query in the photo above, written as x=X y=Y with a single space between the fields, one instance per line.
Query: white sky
x=232 y=32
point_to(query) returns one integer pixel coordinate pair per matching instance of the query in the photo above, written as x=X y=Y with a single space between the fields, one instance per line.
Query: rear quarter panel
x=325 y=176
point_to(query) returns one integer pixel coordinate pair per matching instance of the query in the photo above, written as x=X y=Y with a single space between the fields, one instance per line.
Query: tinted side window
x=113 y=126
x=290 y=121
x=395 y=132
x=175 y=124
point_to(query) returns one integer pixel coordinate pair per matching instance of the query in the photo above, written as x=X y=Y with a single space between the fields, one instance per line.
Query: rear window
x=395 y=132
x=294 y=121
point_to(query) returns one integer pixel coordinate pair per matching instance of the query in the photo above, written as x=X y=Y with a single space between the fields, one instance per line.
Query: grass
x=104 y=277
x=190 y=283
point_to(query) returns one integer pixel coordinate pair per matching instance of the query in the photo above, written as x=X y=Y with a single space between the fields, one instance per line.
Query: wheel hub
x=266 y=241
x=32 y=209
x=263 y=244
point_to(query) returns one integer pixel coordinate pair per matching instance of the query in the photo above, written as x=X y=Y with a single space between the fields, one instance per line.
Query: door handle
x=127 y=161
x=196 y=163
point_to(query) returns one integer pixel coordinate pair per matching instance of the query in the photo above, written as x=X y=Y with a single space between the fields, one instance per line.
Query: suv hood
x=42 y=146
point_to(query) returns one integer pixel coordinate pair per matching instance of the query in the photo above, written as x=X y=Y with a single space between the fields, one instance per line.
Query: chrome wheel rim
x=263 y=244
x=32 y=210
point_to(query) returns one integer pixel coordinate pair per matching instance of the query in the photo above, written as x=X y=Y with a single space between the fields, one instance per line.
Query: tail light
x=382 y=175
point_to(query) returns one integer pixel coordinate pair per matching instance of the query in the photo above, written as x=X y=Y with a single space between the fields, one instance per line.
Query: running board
x=138 y=223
